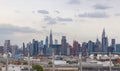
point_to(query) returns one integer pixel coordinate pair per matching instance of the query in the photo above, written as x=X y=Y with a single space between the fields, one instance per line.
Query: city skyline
x=81 y=20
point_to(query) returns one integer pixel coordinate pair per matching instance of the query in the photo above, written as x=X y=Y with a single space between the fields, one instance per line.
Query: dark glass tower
x=104 y=42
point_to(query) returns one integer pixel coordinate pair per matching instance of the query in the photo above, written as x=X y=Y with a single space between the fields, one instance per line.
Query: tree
x=37 y=67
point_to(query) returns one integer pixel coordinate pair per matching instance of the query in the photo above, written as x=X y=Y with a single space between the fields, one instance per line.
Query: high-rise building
x=51 y=39
x=51 y=43
x=47 y=46
x=98 y=46
x=1 y=50
x=84 y=49
x=104 y=42
x=64 y=46
x=24 y=48
x=35 y=47
x=14 y=50
x=7 y=46
x=117 y=47
x=46 y=42
x=90 y=46
x=75 y=47
x=113 y=45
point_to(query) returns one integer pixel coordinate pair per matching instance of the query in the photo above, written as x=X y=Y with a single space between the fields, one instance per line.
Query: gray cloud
x=101 y=6
x=74 y=2
x=94 y=15
x=50 y=20
x=117 y=14
x=10 y=29
x=17 y=11
x=43 y=11
x=64 y=19
x=57 y=12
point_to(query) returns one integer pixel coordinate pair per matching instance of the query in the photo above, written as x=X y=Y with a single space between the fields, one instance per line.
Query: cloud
x=74 y=2
x=94 y=15
x=43 y=11
x=117 y=14
x=17 y=11
x=50 y=20
x=57 y=12
x=60 y=19
x=101 y=6
x=10 y=29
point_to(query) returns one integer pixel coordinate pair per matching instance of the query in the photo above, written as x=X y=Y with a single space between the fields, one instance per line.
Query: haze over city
x=81 y=20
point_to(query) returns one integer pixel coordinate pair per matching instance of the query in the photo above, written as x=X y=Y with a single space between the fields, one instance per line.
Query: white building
x=16 y=68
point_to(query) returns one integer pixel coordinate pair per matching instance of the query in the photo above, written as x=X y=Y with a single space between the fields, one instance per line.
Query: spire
x=103 y=34
x=51 y=40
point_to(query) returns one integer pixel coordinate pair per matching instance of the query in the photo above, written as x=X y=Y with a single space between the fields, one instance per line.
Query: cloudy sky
x=81 y=20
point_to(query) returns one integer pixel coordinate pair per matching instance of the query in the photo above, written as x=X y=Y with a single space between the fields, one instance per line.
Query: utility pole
x=80 y=62
x=110 y=68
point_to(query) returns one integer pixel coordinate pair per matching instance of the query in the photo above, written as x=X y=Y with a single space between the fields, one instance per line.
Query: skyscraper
x=113 y=45
x=23 y=48
x=51 y=43
x=7 y=46
x=98 y=46
x=90 y=46
x=51 y=40
x=104 y=42
x=64 y=46
x=75 y=47
x=47 y=46
x=35 y=47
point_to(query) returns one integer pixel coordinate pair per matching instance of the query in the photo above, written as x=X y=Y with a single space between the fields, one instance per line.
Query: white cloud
x=43 y=11
x=94 y=15
x=101 y=6
x=74 y=2
x=11 y=29
x=64 y=19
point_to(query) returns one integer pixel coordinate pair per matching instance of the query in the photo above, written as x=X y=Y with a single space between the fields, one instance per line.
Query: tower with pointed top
x=103 y=33
x=104 y=42
x=50 y=43
x=51 y=40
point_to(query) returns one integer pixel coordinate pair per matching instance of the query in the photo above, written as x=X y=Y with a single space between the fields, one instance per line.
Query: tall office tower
x=104 y=42
x=68 y=50
x=117 y=47
x=98 y=46
x=2 y=50
x=46 y=42
x=75 y=47
x=24 y=48
x=51 y=40
x=64 y=46
x=29 y=49
x=14 y=50
x=51 y=43
x=84 y=49
x=47 y=46
x=35 y=47
x=90 y=46
x=113 y=45
x=7 y=46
